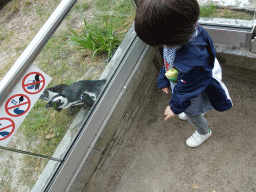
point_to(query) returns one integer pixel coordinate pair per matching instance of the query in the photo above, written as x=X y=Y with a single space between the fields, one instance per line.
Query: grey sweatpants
x=199 y=122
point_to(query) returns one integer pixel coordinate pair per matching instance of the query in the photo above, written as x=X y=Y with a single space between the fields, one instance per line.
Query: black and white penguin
x=79 y=93
x=49 y=93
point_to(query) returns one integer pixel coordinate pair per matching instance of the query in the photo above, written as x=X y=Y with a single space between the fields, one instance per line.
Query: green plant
x=85 y=6
x=14 y=6
x=207 y=11
x=27 y=3
x=97 y=39
x=82 y=7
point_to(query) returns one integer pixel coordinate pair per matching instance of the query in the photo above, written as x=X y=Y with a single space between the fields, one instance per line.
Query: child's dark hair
x=166 y=22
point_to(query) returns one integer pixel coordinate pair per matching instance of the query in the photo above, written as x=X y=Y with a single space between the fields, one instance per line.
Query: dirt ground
x=154 y=156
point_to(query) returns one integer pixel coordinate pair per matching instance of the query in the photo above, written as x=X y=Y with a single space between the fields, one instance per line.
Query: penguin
x=49 y=93
x=83 y=92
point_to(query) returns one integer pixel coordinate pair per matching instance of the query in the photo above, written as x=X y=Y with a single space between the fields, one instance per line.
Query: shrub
x=97 y=39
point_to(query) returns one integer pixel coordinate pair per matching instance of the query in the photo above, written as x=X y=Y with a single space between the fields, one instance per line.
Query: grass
x=97 y=38
x=121 y=11
x=46 y=126
x=207 y=11
x=217 y=12
x=38 y=167
x=83 y=7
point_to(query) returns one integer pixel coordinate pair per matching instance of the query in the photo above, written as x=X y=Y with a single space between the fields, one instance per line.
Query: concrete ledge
x=237 y=57
x=238 y=23
x=120 y=122
x=122 y=112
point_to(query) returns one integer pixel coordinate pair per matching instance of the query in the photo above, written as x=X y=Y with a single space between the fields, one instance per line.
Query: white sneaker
x=197 y=139
x=183 y=116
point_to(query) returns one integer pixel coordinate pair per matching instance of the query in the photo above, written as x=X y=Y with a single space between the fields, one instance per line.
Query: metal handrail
x=34 y=48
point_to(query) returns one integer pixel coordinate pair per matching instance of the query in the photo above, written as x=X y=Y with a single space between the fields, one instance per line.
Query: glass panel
x=19 y=23
x=19 y=172
x=233 y=9
x=50 y=131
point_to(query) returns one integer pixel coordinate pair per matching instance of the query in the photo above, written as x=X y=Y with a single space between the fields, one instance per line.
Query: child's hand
x=168 y=113
x=165 y=89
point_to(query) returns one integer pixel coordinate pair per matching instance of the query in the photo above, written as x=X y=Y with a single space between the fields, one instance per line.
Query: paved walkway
x=154 y=157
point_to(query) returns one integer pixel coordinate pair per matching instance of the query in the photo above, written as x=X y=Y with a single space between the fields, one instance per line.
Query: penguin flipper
x=86 y=99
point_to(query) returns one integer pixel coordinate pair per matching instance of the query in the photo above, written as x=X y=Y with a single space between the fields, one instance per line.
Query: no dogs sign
x=19 y=102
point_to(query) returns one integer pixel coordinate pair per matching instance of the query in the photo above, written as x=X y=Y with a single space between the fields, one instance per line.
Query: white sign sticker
x=20 y=101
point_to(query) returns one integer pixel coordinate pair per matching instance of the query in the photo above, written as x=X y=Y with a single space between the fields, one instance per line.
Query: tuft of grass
x=83 y=7
x=48 y=126
x=219 y=12
x=14 y=7
x=207 y=11
x=97 y=39
x=27 y=3
x=121 y=11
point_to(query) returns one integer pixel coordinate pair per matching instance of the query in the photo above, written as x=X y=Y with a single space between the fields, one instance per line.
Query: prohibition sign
x=24 y=86
x=7 y=108
x=10 y=124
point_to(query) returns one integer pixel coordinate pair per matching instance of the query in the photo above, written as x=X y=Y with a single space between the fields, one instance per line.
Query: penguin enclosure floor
x=154 y=156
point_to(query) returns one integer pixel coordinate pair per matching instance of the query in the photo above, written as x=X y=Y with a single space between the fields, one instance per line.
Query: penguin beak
x=49 y=104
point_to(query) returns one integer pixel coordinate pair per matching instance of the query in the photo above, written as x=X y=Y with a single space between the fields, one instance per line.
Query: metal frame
x=232 y=32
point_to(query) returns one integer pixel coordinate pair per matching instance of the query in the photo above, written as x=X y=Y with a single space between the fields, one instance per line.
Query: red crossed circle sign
x=12 y=108
x=28 y=82
x=7 y=125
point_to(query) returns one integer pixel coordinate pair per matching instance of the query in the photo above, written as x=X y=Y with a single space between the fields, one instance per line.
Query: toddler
x=187 y=48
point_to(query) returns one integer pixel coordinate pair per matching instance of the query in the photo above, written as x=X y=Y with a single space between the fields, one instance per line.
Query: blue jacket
x=199 y=71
